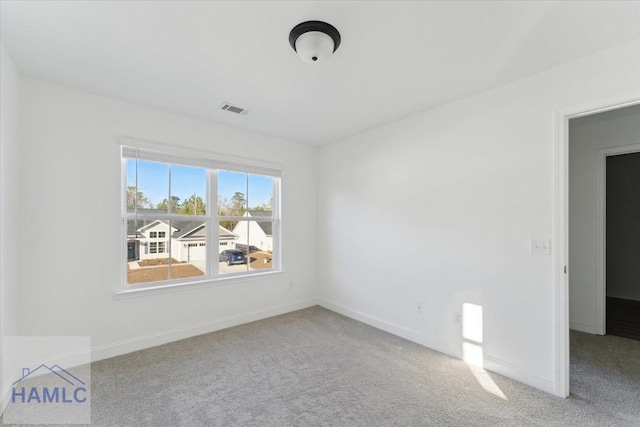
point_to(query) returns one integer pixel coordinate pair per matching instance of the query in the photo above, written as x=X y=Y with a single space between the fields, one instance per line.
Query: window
x=243 y=197
x=167 y=209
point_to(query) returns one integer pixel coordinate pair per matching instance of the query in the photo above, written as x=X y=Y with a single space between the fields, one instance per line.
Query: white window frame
x=211 y=162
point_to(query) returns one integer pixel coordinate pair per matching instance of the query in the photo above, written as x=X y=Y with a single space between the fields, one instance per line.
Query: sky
x=153 y=181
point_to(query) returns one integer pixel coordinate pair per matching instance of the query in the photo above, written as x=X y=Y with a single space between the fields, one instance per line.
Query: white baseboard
x=514 y=372
x=582 y=327
x=490 y=363
x=383 y=325
x=152 y=340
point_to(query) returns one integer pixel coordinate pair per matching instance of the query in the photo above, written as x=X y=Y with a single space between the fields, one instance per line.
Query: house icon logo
x=68 y=388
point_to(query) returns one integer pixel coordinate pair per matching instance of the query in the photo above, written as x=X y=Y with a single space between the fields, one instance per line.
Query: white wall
x=9 y=203
x=587 y=135
x=71 y=182
x=460 y=190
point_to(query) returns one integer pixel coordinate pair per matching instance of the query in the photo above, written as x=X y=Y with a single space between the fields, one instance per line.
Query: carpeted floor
x=314 y=367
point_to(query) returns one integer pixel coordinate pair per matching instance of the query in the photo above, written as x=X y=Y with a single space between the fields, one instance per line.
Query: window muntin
x=181 y=194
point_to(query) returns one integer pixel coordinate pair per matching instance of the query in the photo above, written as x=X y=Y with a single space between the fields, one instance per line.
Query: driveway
x=223 y=268
x=236 y=268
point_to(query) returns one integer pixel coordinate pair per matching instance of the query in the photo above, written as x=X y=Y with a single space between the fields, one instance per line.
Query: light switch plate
x=540 y=246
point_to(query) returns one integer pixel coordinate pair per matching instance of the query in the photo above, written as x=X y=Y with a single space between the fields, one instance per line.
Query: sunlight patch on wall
x=472 y=322
x=472 y=353
x=472 y=334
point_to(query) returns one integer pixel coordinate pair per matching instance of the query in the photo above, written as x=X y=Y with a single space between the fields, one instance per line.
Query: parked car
x=232 y=256
x=225 y=254
x=246 y=249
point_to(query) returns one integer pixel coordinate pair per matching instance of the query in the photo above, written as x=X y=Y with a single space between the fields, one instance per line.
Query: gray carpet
x=314 y=367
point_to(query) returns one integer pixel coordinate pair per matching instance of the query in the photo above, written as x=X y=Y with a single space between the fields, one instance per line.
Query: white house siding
x=268 y=244
x=185 y=249
x=145 y=243
x=177 y=251
x=226 y=244
x=253 y=235
x=181 y=250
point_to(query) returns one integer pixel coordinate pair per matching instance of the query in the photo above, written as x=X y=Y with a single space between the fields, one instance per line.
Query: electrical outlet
x=290 y=286
x=419 y=307
x=458 y=317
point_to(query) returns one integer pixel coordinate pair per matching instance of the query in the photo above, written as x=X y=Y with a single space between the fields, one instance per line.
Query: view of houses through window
x=168 y=232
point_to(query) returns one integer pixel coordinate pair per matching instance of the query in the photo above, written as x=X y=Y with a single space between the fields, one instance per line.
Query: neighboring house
x=255 y=233
x=186 y=239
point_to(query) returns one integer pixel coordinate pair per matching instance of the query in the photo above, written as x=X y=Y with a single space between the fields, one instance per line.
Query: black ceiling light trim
x=319 y=26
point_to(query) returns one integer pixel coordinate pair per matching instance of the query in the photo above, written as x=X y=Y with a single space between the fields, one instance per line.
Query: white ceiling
x=396 y=58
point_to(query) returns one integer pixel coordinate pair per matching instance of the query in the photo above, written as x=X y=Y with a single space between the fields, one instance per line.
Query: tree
x=136 y=199
x=194 y=205
x=235 y=207
x=174 y=204
x=228 y=224
x=238 y=203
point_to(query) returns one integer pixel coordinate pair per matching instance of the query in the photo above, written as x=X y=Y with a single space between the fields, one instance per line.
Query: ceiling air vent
x=232 y=108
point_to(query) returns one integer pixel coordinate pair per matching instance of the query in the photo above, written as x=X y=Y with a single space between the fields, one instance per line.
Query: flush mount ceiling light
x=314 y=41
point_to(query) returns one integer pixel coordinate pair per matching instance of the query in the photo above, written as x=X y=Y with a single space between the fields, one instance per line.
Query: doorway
x=622 y=244
x=586 y=138
x=133 y=249
x=595 y=142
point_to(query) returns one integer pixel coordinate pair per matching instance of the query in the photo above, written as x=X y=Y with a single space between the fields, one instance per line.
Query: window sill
x=183 y=286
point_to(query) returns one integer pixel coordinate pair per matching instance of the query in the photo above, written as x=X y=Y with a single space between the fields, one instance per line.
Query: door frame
x=561 y=225
x=601 y=230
